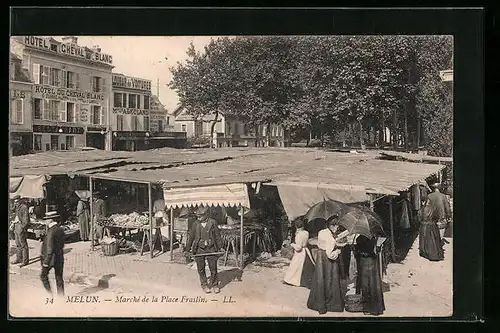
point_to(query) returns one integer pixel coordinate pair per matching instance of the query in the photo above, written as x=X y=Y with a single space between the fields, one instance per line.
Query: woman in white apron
x=301 y=270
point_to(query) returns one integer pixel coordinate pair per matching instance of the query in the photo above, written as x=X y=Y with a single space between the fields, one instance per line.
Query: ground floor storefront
x=21 y=143
x=135 y=141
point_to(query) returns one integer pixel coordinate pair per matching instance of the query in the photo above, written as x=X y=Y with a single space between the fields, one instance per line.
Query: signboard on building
x=128 y=82
x=67 y=94
x=14 y=93
x=131 y=111
x=69 y=49
x=55 y=129
x=84 y=113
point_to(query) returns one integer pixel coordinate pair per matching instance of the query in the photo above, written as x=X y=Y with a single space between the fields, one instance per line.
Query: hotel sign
x=67 y=94
x=67 y=49
x=122 y=81
x=55 y=129
x=135 y=112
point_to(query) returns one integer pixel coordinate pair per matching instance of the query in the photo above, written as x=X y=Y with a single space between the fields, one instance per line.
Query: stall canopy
x=228 y=195
x=29 y=186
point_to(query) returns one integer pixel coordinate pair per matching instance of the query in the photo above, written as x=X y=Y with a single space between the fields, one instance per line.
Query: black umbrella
x=324 y=210
x=360 y=221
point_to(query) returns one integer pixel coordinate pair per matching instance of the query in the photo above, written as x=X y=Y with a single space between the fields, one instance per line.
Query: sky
x=144 y=57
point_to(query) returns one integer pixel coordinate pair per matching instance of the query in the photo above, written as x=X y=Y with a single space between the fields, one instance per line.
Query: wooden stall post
x=92 y=231
x=391 y=221
x=171 y=223
x=151 y=249
x=241 y=238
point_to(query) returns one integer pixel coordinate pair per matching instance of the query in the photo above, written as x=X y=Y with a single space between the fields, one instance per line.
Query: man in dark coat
x=21 y=223
x=51 y=254
x=204 y=237
x=441 y=208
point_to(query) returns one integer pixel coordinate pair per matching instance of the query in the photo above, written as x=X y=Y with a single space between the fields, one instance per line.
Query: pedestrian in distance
x=204 y=237
x=430 y=246
x=21 y=223
x=441 y=208
x=52 y=254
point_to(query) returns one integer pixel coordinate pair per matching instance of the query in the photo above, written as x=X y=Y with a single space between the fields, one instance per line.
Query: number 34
x=49 y=300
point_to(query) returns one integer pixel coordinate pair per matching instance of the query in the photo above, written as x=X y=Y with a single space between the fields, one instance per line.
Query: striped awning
x=228 y=195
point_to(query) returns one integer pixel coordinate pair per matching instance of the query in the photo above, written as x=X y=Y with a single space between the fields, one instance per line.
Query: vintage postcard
x=231 y=176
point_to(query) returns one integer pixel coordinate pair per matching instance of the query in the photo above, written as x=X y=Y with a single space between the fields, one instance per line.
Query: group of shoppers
x=322 y=270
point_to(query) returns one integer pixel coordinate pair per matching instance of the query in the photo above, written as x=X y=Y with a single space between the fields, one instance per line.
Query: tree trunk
x=395 y=129
x=268 y=134
x=406 y=129
x=382 y=133
x=351 y=133
x=418 y=131
x=361 y=142
x=212 y=129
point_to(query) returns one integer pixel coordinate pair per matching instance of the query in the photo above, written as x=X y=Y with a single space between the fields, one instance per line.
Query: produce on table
x=131 y=221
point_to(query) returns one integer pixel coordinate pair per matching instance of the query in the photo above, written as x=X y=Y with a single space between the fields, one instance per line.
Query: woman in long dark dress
x=326 y=293
x=368 y=282
x=429 y=238
x=83 y=215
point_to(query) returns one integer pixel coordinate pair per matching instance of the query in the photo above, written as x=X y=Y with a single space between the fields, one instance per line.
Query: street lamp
x=60 y=130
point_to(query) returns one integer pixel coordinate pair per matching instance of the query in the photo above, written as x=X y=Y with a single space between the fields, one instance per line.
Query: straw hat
x=200 y=211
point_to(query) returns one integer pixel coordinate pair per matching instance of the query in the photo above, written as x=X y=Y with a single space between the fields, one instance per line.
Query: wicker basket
x=353 y=303
x=110 y=249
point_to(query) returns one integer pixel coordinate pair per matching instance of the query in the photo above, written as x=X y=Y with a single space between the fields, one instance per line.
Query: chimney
x=70 y=39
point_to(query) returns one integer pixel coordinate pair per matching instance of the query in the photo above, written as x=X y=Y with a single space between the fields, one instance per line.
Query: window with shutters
x=97 y=84
x=132 y=101
x=54 y=142
x=134 y=123
x=38 y=142
x=146 y=123
x=119 y=100
x=70 y=142
x=63 y=112
x=51 y=112
x=146 y=102
x=54 y=77
x=96 y=114
x=70 y=112
x=119 y=122
x=37 y=108
x=72 y=80
x=17 y=111
x=44 y=75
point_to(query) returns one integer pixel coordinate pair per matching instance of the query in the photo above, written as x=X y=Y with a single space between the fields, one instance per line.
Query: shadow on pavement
x=101 y=285
x=226 y=277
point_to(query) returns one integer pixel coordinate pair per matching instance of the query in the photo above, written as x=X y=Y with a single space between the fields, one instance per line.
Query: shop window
x=70 y=112
x=119 y=100
x=134 y=122
x=38 y=142
x=146 y=123
x=54 y=142
x=119 y=122
x=132 y=101
x=70 y=142
x=146 y=102
x=54 y=77
x=160 y=126
x=17 y=111
x=37 y=108
x=96 y=114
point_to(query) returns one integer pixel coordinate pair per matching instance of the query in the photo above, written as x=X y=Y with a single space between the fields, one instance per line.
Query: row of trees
x=326 y=85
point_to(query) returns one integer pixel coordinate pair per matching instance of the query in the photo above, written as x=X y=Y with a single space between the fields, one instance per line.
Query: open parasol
x=361 y=221
x=324 y=210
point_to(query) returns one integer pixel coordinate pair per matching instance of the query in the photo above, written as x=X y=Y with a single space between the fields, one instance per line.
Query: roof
x=203 y=167
x=416 y=157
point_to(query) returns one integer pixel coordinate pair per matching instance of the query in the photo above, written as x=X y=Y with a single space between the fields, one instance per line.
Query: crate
x=354 y=303
x=110 y=249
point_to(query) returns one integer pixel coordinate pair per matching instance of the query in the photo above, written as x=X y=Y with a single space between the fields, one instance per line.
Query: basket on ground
x=353 y=303
x=110 y=249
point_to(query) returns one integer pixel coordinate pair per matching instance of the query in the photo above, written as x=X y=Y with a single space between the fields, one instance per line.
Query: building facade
x=131 y=113
x=70 y=92
x=228 y=131
x=20 y=115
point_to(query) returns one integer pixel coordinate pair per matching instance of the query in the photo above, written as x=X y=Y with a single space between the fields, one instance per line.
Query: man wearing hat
x=205 y=237
x=441 y=208
x=21 y=223
x=51 y=254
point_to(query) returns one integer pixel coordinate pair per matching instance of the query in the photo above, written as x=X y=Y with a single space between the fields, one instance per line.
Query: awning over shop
x=29 y=186
x=228 y=195
x=297 y=201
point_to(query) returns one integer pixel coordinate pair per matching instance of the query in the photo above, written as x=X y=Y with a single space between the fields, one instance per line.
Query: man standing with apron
x=204 y=237
x=21 y=223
